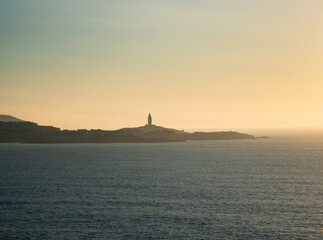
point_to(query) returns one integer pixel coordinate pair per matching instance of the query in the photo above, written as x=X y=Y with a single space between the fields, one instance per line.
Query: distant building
x=149 y=120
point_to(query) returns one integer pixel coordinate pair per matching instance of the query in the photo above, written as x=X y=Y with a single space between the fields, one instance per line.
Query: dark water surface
x=263 y=189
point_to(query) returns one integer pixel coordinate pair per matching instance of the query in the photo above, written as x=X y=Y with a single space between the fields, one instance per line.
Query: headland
x=29 y=132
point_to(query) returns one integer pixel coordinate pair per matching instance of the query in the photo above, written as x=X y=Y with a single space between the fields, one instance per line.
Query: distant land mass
x=29 y=132
x=8 y=118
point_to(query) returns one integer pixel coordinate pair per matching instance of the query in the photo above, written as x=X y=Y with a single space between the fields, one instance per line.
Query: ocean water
x=242 y=189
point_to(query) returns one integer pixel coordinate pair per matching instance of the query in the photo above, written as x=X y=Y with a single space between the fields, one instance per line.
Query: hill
x=8 y=118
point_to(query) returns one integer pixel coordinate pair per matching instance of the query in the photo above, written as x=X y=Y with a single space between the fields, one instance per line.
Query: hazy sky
x=202 y=63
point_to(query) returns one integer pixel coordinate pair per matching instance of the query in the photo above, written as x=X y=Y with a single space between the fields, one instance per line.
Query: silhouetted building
x=149 y=120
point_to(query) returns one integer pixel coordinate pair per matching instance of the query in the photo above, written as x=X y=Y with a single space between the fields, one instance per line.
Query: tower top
x=149 y=120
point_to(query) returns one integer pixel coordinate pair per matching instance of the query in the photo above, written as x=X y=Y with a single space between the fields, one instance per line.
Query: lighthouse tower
x=149 y=120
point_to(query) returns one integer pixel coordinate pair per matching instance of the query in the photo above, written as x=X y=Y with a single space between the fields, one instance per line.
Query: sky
x=190 y=63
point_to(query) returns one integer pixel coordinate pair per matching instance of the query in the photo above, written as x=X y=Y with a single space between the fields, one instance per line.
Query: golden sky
x=191 y=64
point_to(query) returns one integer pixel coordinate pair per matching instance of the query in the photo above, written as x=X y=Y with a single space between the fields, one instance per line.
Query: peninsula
x=29 y=132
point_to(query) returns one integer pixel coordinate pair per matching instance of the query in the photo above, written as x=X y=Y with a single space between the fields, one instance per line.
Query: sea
x=239 y=189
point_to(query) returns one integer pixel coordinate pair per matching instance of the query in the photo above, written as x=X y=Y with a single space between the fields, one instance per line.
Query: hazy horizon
x=275 y=132
x=192 y=64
